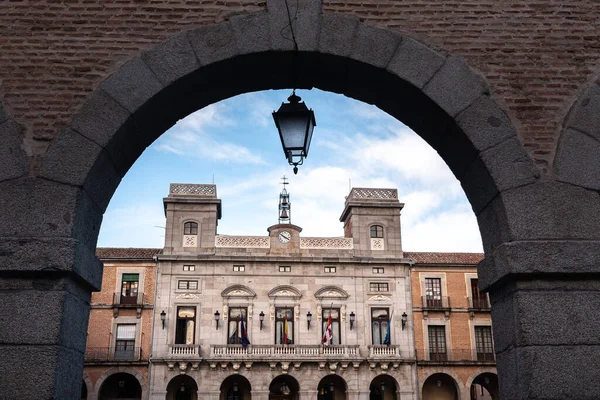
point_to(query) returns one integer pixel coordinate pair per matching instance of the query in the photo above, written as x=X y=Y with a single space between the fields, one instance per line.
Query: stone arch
x=444 y=380
x=137 y=374
x=447 y=371
x=435 y=94
x=487 y=378
x=388 y=383
x=182 y=383
x=88 y=384
x=276 y=386
x=577 y=160
x=236 y=383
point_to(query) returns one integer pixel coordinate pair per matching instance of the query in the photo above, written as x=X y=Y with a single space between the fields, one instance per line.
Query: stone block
x=57 y=372
x=520 y=258
x=3 y=114
x=172 y=59
x=375 y=46
x=39 y=255
x=505 y=166
x=485 y=124
x=251 y=32
x=76 y=160
x=540 y=211
x=455 y=86
x=415 y=62
x=41 y=208
x=13 y=160
x=306 y=23
x=549 y=373
x=132 y=85
x=63 y=317
x=577 y=161
x=338 y=34
x=548 y=314
x=584 y=115
x=213 y=43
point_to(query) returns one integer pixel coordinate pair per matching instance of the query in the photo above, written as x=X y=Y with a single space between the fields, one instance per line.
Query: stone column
x=544 y=286
x=260 y=394
x=46 y=278
x=358 y=395
x=308 y=394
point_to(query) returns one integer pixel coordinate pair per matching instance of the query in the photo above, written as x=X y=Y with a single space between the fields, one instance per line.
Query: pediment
x=238 y=291
x=285 y=291
x=380 y=297
x=186 y=296
x=331 y=292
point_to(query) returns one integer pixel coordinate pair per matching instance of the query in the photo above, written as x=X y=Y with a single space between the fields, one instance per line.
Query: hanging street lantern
x=295 y=123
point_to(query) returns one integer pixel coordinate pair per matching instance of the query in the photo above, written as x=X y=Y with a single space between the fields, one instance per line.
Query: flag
x=245 y=341
x=386 y=339
x=285 y=330
x=328 y=335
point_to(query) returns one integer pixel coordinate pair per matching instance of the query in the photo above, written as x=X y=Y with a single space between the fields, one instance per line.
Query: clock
x=284 y=236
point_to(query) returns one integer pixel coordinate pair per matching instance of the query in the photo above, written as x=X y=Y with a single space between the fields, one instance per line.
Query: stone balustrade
x=290 y=352
x=184 y=350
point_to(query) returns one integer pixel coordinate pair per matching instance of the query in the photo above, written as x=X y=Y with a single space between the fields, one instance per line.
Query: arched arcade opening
x=182 y=387
x=440 y=386
x=122 y=386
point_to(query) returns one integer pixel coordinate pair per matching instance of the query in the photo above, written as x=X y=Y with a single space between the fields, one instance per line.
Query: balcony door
x=433 y=292
x=125 y=342
x=129 y=288
x=437 y=343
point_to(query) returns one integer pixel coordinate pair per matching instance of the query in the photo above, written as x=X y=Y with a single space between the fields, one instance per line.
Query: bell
x=284 y=214
x=284 y=202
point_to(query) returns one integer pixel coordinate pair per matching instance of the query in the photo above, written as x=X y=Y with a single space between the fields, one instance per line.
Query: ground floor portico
x=281 y=381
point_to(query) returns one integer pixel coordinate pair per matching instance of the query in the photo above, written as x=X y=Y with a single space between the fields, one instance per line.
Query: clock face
x=284 y=236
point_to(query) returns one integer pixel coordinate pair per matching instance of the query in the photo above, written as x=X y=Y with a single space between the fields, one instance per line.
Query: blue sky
x=235 y=142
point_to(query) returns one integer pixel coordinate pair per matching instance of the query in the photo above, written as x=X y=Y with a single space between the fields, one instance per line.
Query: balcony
x=279 y=352
x=440 y=303
x=184 y=351
x=455 y=356
x=121 y=300
x=384 y=352
x=479 y=303
x=111 y=355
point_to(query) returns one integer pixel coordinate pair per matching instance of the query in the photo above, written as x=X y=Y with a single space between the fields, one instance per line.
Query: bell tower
x=285 y=207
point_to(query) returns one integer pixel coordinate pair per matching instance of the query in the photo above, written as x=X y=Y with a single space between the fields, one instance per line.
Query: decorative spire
x=285 y=216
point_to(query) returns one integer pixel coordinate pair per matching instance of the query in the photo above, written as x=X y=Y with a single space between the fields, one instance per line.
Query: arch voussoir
x=213 y=43
x=375 y=46
x=577 y=160
x=172 y=59
x=415 y=62
x=251 y=32
x=13 y=160
x=455 y=86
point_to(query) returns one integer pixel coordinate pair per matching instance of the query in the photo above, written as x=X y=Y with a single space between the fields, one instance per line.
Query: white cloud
x=189 y=138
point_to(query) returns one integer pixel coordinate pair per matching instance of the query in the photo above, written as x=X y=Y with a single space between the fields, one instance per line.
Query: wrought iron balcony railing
x=479 y=303
x=456 y=355
x=110 y=354
x=435 y=302
x=136 y=300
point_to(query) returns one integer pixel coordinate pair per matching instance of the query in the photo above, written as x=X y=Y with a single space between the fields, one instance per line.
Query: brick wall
x=536 y=55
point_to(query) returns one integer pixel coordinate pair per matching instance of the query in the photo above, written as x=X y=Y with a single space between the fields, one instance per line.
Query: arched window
x=376 y=231
x=190 y=228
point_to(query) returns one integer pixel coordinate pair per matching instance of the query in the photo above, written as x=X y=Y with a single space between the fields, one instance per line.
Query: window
x=129 y=288
x=378 y=270
x=186 y=325
x=284 y=317
x=188 y=285
x=125 y=344
x=285 y=269
x=378 y=287
x=376 y=231
x=335 y=324
x=330 y=270
x=484 y=343
x=437 y=343
x=433 y=292
x=190 y=228
x=479 y=299
x=234 y=330
x=379 y=324
x=189 y=267
x=239 y=268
